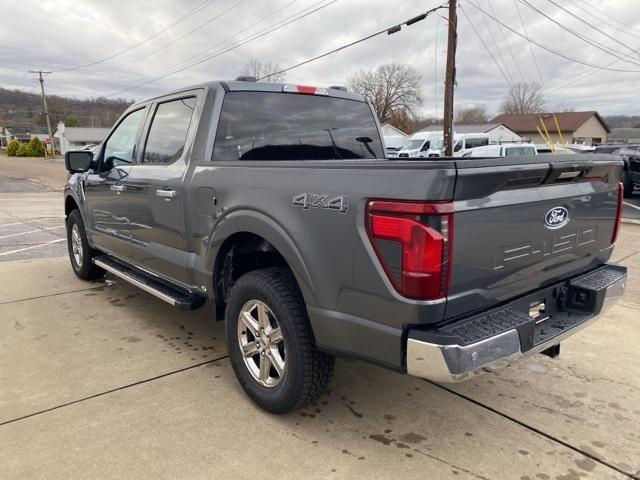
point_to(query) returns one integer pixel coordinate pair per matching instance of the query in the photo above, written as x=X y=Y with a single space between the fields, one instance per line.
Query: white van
x=429 y=144
x=419 y=145
x=467 y=141
x=504 y=150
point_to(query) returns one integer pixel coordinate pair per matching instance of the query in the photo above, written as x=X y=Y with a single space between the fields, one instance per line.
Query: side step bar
x=179 y=298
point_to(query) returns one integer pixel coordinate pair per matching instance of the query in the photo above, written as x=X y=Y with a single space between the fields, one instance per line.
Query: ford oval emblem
x=556 y=217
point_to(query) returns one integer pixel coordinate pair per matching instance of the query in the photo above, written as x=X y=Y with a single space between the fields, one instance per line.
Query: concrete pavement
x=101 y=380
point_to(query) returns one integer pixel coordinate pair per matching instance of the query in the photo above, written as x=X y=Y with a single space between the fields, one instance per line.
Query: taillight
x=304 y=89
x=616 y=227
x=422 y=233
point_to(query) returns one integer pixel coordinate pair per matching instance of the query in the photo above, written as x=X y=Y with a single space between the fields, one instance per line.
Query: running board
x=179 y=298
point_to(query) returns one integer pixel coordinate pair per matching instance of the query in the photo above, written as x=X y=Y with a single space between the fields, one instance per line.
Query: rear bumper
x=503 y=336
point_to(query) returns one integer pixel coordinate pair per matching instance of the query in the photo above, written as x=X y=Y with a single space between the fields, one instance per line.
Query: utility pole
x=46 y=110
x=450 y=78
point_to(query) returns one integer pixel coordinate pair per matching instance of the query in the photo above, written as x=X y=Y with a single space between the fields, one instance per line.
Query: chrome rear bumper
x=454 y=362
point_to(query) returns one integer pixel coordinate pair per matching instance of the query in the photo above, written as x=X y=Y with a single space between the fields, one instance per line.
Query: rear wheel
x=270 y=342
x=80 y=252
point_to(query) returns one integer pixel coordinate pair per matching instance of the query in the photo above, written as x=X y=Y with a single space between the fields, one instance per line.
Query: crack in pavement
x=112 y=390
x=51 y=295
x=595 y=458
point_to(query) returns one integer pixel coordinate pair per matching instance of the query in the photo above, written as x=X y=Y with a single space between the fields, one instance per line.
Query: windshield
x=437 y=144
x=284 y=126
x=414 y=144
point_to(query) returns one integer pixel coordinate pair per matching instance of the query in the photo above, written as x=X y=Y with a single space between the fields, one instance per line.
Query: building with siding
x=586 y=128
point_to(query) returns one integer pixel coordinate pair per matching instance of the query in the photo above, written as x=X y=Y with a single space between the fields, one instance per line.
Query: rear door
x=519 y=226
x=158 y=229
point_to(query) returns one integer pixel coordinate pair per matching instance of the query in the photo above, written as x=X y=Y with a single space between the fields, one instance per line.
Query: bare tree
x=563 y=107
x=393 y=89
x=267 y=71
x=523 y=98
x=467 y=115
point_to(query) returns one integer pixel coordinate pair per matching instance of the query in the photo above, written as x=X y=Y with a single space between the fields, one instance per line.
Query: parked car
x=504 y=150
x=274 y=205
x=430 y=144
x=630 y=174
x=420 y=145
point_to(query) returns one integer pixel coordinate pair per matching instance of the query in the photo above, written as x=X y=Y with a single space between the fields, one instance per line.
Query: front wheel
x=80 y=252
x=270 y=343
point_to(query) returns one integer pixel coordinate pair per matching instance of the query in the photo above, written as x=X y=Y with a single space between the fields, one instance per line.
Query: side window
x=426 y=146
x=168 y=132
x=458 y=145
x=120 y=148
x=477 y=142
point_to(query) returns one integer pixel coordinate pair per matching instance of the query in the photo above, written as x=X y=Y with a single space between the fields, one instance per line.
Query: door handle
x=118 y=188
x=168 y=194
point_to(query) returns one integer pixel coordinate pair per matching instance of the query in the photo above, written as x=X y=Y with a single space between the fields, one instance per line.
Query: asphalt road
x=101 y=380
x=631 y=209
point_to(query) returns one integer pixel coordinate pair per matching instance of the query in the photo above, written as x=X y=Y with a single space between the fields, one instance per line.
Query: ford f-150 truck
x=275 y=206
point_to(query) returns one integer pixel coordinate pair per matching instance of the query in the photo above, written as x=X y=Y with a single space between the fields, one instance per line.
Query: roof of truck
x=250 y=86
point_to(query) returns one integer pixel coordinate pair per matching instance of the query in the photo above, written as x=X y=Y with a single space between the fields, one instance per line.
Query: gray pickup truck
x=275 y=206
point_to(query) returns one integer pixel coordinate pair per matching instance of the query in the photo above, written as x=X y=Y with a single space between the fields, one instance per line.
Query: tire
x=80 y=252
x=304 y=372
x=627 y=191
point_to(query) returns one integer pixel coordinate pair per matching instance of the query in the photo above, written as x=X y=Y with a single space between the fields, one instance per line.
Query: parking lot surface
x=101 y=380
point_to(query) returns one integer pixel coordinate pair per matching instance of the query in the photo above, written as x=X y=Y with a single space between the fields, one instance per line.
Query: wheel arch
x=255 y=234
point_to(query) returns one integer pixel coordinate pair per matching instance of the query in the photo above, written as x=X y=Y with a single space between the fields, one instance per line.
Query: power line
x=506 y=78
x=593 y=27
x=584 y=38
x=555 y=52
x=504 y=37
x=610 y=17
x=533 y=54
x=135 y=85
x=212 y=19
x=187 y=15
x=495 y=44
x=389 y=31
x=582 y=77
x=605 y=22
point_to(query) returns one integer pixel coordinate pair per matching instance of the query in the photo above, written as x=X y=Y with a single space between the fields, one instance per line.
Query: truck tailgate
x=519 y=227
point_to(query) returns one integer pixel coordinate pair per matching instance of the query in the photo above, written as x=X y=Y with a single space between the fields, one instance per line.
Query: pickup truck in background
x=274 y=205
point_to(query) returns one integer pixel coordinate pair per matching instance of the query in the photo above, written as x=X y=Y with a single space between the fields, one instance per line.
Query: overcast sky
x=61 y=34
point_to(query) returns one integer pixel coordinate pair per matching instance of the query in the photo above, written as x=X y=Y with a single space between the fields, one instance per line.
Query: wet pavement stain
x=382 y=439
x=571 y=475
x=586 y=464
x=131 y=339
x=412 y=437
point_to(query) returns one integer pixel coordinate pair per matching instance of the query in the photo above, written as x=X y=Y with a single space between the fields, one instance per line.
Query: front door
x=158 y=232
x=107 y=191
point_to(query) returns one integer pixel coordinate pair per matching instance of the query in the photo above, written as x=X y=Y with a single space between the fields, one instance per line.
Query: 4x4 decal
x=321 y=200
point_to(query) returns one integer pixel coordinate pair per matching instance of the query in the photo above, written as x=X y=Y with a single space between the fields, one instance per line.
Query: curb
x=630 y=220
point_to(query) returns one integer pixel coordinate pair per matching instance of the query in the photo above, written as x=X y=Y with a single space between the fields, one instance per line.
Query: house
x=624 y=135
x=498 y=133
x=393 y=137
x=72 y=138
x=586 y=128
x=21 y=134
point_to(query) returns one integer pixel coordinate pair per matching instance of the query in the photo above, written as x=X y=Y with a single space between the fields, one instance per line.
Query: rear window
x=283 y=126
x=518 y=151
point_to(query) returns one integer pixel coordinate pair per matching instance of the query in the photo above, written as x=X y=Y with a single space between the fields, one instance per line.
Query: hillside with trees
x=23 y=109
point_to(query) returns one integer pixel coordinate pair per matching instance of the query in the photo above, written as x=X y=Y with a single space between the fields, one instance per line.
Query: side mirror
x=78 y=161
